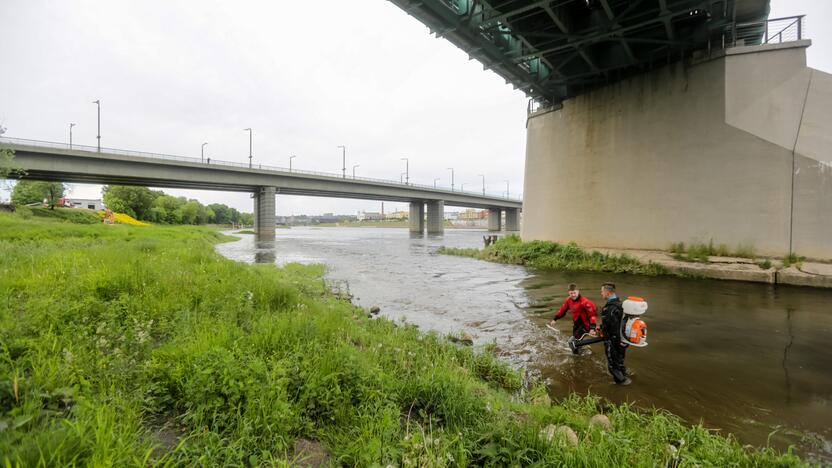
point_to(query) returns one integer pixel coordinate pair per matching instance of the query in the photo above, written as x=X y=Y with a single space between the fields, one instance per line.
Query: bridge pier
x=494 y=219
x=417 y=217
x=512 y=219
x=436 y=217
x=264 y=213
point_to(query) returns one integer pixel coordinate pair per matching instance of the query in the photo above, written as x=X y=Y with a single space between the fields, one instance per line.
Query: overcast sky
x=362 y=73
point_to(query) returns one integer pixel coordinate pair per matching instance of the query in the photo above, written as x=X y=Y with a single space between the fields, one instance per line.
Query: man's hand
x=593 y=332
x=552 y=323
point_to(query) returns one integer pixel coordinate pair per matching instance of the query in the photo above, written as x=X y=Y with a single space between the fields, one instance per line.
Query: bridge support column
x=264 y=213
x=512 y=219
x=436 y=217
x=417 y=217
x=494 y=219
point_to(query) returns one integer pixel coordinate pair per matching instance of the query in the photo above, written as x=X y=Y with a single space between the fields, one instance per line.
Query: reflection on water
x=750 y=359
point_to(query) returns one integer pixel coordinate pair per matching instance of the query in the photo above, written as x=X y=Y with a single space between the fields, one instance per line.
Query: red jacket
x=582 y=309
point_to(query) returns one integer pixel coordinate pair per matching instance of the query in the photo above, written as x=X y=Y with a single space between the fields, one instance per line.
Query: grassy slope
x=128 y=346
x=553 y=256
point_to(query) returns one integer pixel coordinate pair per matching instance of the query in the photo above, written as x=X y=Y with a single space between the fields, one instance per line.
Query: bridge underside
x=554 y=50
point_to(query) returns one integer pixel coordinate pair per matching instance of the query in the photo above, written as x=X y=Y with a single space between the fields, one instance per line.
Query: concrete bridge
x=80 y=164
x=661 y=121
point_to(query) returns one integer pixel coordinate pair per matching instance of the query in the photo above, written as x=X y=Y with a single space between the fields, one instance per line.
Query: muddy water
x=748 y=359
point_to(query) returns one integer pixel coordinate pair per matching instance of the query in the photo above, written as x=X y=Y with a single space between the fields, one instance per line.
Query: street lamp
x=70 y=135
x=462 y=187
x=401 y=177
x=343 y=161
x=202 y=152
x=98 y=103
x=434 y=181
x=290 y=162
x=407 y=171
x=452 y=178
x=507 y=196
x=353 y=170
x=250 y=133
x=483 y=184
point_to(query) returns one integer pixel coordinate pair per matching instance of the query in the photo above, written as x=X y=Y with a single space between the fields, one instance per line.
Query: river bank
x=570 y=257
x=136 y=346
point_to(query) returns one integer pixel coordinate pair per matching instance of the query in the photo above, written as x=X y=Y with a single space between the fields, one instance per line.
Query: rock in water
x=467 y=339
x=375 y=309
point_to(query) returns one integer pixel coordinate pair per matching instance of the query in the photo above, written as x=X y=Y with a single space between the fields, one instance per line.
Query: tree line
x=141 y=203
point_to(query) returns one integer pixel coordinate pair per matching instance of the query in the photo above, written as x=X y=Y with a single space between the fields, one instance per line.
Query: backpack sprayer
x=633 y=328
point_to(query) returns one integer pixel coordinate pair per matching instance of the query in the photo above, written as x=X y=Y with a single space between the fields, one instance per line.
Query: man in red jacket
x=584 y=317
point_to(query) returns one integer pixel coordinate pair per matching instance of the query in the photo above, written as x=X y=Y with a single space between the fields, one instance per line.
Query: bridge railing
x=38 y=144
x=770 y=31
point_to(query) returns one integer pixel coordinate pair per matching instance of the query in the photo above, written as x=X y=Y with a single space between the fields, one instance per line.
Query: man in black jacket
x=612 y=314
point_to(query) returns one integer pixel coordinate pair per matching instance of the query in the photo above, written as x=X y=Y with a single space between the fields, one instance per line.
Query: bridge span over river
x=80 y=164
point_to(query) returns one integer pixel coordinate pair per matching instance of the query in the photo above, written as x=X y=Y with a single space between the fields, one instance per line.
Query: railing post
x=766 y=36
x=799 y=28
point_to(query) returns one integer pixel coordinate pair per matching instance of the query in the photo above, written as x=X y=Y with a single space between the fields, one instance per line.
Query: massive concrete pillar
x=512 y=219
x=417 y=217
x=264 y=213
x=436 y=217
x=494 y=219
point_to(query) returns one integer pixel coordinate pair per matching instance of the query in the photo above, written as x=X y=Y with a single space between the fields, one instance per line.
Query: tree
x=135 y=201
x=29 y=191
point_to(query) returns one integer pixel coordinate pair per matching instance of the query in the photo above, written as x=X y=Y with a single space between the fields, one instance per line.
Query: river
x=748 y=359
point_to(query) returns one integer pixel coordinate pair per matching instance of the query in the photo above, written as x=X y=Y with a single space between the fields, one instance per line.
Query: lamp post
x=202 y=152
x=507 y=196
x=462 y=187
x=452 y=178
x=290 y=162
x=407 y=171
x=353 y=170
x=250 y=133
x=70 y=134
x=401 y=177
x=97 y=102
x=483 y=184
x=343 y=161
x=434 y=181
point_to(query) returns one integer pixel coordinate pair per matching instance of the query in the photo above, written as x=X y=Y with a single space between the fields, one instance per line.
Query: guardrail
x=770 y=31
x=38 y=144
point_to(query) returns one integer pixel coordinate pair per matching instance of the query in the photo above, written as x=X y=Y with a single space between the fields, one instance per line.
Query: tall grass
x=137 y=346
x=553 y=256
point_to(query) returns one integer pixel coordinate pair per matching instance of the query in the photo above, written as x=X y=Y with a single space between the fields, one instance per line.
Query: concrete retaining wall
x=689 y=154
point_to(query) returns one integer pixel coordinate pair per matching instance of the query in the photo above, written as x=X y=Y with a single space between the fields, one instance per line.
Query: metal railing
x=38 y=144
x=770 y=31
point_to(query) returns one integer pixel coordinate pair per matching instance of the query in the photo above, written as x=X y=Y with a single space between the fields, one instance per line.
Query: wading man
x=611 y=316
x=584 y=317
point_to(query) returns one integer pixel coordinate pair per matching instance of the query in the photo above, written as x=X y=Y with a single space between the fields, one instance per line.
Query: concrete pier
x=417 y=217
x=494 y=219
x=264 y=213
x=512 y=219
x=436 y=217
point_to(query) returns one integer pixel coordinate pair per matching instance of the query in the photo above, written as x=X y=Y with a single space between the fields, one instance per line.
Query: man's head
x=574 y=292
x=607 y=290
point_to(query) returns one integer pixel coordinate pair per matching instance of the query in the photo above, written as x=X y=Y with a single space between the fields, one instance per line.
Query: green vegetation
x=246 y=231
x=553 y=256
x=157 y=207
x=699 y=252
x=69 y=215
x=792 y=259
x=30 y=191
x=127 y=346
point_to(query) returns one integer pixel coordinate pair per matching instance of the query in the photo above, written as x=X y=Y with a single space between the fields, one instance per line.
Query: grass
x=553 y=256
x=701 y=252
x=137 y=346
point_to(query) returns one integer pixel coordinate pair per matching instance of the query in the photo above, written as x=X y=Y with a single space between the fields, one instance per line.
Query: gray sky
x=360 y=73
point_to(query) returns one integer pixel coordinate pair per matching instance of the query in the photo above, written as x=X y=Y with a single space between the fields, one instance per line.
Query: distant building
x=471 y=214
x=451 y=215
x=397 y=215
x=370 y=216
x=87 y=203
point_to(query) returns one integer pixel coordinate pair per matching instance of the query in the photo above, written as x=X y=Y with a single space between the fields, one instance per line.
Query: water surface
x=748 y=359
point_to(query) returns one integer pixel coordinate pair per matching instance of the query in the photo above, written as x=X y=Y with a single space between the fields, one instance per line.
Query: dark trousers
x=578 y=330
x=615 y=360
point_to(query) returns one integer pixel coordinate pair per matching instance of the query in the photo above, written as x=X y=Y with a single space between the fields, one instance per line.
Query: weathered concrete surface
x=494 y=219
x=416 y=217
x=436 y=217
x=707 y=152
x=512 y=219
x=264 y=213
x=818 y=275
